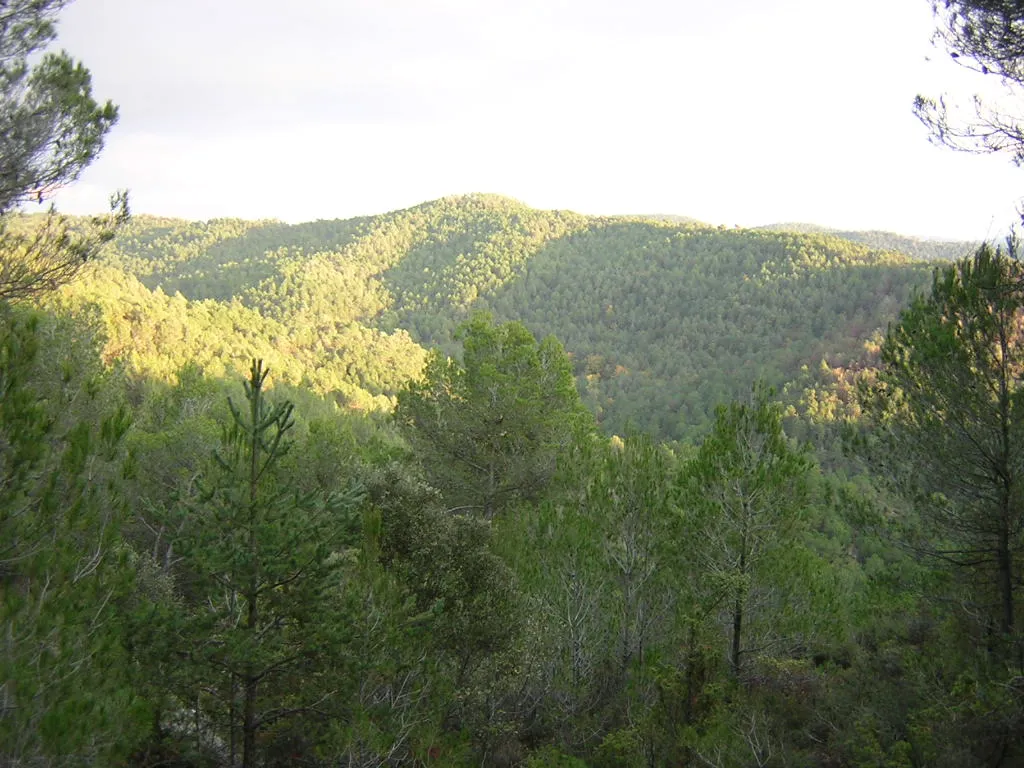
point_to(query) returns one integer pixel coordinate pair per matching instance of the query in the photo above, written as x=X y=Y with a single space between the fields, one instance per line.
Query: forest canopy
x=474 y=484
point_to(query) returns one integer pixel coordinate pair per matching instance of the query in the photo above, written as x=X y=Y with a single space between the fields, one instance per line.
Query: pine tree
x=747 y=493
x=946 y=431
x=51 y=129
x=491 y=428
x=66 y=576
x=261 y=562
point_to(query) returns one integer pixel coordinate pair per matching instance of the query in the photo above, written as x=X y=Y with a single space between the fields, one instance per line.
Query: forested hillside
x=663 y=319
x=915 y=247
x=476 y=485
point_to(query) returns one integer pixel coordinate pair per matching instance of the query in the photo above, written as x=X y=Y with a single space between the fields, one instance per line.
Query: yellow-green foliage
x=663 y=319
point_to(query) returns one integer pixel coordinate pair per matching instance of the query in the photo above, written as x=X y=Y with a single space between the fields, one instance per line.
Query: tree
x=51 y=129
x=986 y=36
x=592 y=562
x=469 y=615
x=747 y=493
x=260 y=565
x=489 y=430
x=629 y=499
x=946 y=426
x=66 y=576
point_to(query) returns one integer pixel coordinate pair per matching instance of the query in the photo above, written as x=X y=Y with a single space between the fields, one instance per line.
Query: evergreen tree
x=747 y=493
x=489 y=430
x=946 y=428
x=985 y=36
x=66 y=576
x=261 y=572
x=51 y=129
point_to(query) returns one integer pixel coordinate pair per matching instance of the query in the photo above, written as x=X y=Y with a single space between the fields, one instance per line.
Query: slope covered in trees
x=915 y=247
x=206 y=561
x=663 y=320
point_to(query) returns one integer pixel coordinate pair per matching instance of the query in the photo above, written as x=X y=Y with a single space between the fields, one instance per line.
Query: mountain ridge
x=663 y=319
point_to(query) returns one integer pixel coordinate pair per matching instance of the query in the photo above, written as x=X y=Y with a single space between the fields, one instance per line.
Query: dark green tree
x=260 y=563
x=51 y=129
x=627 y=497
x=747 y=495
x=66 y=576
x=595 y=564
x=946 y=426
x=489 y=430
x=986 y=36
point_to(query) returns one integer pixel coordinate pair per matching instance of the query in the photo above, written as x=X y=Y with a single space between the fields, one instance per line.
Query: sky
x=735 y=112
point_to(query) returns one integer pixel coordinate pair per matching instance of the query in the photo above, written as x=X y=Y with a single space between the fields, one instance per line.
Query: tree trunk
x=232 y=719
x=737 y=618
x=250 y=692
x=737 y=629
x=249 y=724
x=737 y=611
x=250 y=679
x=1005 y=555
x=1006 y=581
x=1005 y=565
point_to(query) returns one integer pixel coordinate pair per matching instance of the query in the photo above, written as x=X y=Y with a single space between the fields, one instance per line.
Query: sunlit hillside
x=663 y=319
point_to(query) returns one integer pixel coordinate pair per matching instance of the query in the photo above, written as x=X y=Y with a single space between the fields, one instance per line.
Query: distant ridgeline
x=663 y=318
x=915 y=247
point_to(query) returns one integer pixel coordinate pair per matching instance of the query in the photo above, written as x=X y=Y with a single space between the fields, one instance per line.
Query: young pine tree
x=261 y=562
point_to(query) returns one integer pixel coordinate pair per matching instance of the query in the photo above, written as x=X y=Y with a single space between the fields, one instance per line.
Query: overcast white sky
x=732 y=111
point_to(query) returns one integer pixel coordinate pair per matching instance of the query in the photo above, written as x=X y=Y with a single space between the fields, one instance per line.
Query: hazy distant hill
x=663 y=318
x=915 y=247
x=672 y=218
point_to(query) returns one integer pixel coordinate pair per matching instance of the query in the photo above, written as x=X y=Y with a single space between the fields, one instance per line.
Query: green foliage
x=624 y=747
x=925 y=249
x=663 y=320
x=747 y=494
x=465 y=609
x=156 y=335
x=261 y=564
x=51 y=128
x=490 y=430
x=617 y=602
x=551 y=757
x=945 y=421
x=65 y=575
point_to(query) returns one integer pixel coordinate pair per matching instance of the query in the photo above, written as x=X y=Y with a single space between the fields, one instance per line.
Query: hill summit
x=663 y=318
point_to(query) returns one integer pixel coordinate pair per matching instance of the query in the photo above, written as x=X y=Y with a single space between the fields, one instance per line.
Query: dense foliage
x=246 y=519
x=662 y=320
x=915 y=247
x=225 y=575
x=51 y=128
x=439 y=560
